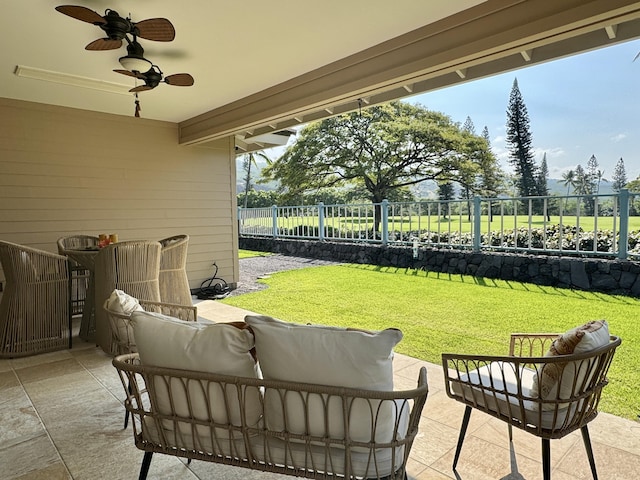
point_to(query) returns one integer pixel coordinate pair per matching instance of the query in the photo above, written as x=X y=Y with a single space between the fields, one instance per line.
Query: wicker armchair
x=132 y=267
x=34 y=311
x=174 y=283
x=80 y=276
x=502 y=387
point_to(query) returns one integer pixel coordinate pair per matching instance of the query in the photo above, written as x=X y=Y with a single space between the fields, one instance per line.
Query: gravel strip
x=254 y=268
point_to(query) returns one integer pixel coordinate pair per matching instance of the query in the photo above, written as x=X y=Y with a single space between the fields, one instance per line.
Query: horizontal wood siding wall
x=65 y=171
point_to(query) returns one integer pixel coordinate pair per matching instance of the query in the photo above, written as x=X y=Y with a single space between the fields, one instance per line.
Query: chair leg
x=126 y=412
x=463 y=431
x=146 y=463
x=587 y=445
x=70 y=306
x=546 y=459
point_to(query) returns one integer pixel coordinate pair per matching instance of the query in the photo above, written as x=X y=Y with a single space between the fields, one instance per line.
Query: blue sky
x=579 y=106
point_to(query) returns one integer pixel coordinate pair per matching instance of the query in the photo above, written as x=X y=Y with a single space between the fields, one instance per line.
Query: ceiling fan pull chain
x=137 y=102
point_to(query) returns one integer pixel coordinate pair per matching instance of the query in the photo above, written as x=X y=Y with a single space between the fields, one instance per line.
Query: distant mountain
x=556 y=187
x=425 y=190
x=429 y=189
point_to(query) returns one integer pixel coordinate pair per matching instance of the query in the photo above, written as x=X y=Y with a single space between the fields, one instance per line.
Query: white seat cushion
x=502 y=377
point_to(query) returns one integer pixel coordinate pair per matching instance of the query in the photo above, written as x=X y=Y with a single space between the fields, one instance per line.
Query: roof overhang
x=493 y=37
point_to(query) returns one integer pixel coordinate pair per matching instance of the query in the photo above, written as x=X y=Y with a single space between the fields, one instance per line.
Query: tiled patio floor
x=62 y=414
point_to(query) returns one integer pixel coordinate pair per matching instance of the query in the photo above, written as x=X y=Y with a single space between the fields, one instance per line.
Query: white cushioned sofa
x=304 y=400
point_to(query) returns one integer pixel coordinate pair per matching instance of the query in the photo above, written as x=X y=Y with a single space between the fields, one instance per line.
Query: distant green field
x=459 y=223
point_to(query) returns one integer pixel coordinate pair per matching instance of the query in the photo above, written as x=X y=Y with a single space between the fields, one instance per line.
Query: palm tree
x=250 y=159
x=600 y=176
x=568 y=180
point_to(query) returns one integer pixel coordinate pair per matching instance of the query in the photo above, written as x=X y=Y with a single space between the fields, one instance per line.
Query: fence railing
x=603 y=225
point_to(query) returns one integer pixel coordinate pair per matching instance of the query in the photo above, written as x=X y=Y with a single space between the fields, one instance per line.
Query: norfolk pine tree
x=619 y=176
x=519 y=143
x=541 y=181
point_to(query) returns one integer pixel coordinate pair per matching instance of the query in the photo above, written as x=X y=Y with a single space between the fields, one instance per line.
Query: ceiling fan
x=154 y=76
x=139 y=67
x=117 y=27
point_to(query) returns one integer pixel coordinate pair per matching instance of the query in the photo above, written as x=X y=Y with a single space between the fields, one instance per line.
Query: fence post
x=321 y=221
x=384 y=220
x=477 y=219
x=274 y=220
x=623 y=234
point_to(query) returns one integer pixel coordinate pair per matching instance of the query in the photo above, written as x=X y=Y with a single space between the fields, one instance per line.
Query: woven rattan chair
x=174 y=283
x=80 y=276
x=132 y=267
x=34 y=311
x=500 y=386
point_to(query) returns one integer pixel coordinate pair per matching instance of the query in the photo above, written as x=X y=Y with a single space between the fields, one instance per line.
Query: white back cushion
x=326 y=356
x=213 y=348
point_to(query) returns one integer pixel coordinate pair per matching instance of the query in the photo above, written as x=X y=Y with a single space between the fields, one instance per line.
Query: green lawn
x=452 y=313
x=251 y=253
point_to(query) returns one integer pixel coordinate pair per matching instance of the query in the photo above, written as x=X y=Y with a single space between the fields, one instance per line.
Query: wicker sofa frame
x=258 y=447
x=499 y=391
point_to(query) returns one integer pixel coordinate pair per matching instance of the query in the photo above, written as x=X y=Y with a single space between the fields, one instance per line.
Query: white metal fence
x=604 y=225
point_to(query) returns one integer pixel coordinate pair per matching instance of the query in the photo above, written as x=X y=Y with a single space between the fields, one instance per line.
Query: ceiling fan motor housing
x=152 y=78
x=116 y=27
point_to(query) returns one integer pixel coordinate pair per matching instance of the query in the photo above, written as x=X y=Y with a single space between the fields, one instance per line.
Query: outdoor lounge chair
x=34 y=311
x=548 y=395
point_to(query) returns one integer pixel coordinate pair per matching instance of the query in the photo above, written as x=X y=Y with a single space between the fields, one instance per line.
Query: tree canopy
x=383 y=149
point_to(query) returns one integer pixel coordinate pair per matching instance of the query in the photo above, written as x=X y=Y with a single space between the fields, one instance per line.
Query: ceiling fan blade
x=82 y=13
x=179 y=79
x=157 y=29
x=131 y=74
x=104 y=44
x=141 y=88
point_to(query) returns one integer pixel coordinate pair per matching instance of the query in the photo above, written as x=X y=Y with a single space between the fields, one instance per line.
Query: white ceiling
x=232 y=48
x=266 y=66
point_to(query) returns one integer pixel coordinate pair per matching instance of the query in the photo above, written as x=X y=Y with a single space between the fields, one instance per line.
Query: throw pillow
x=581 y=339
x=121 y=302
x=327 y=356
x=119 y=307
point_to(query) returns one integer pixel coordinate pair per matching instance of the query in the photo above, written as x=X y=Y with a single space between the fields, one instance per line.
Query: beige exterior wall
x=66 y=171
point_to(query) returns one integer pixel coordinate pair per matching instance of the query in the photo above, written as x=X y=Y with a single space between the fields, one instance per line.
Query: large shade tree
x=384 y=148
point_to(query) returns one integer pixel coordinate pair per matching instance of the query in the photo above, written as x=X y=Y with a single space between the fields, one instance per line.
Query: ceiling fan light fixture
x=135 y=64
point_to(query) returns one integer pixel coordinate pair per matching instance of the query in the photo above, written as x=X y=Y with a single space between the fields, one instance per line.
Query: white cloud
x=619 y=137
x=554 y=153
